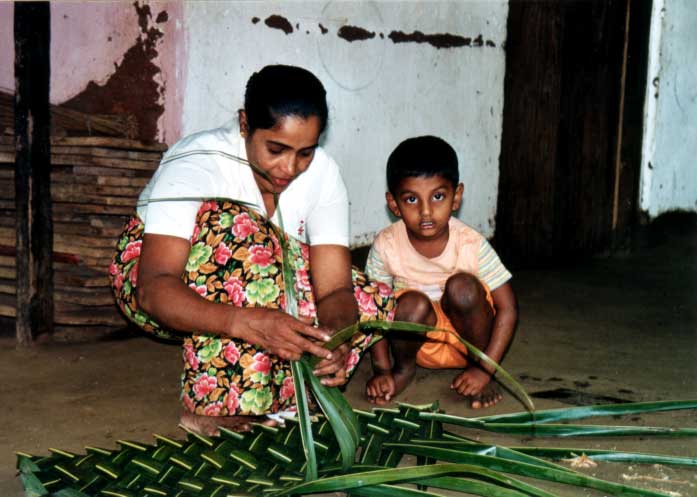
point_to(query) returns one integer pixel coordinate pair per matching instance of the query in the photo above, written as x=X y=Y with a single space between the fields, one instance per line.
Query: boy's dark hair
x=422 y=157
x=279 y=91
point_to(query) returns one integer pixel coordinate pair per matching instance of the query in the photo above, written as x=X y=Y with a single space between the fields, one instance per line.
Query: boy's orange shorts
x=443 y=350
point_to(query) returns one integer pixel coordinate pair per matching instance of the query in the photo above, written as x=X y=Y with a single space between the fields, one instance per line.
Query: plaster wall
x=669 y=164
x=385 y=82
x=88 y=44
x=7 y=43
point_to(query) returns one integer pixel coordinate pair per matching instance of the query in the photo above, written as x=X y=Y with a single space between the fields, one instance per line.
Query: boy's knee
x=414 y=307
x=463 y=291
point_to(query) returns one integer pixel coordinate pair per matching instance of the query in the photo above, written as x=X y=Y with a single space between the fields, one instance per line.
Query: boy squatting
x=445 y=275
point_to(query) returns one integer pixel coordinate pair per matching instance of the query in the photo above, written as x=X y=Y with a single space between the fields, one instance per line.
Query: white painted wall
x=669 y=159
x=379 y=92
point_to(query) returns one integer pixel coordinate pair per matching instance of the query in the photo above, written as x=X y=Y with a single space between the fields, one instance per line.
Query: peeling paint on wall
x=354 y=33
x=279 y=22
x=132 y=88
x=357 y=33
x=443 y=40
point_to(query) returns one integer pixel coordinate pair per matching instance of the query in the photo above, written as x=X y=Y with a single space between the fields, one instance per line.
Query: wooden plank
x=84 y=229
x=34 y=300
x=89 y=297
x=95 y=254
x=61 y=194
x=152 y=157
x=83 y=251
x=75 y=240
x=99 y=141
x=77 y=280
x=68 y=207
x=563 y=69
x=86 y=218
x=123 y=181
x=95 y=171
x=64 y=189
x=8 y=305
x=8 y=286
x=95 y=316
x=80 y=160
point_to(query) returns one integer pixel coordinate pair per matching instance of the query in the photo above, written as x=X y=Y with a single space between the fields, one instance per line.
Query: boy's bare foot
x=208 y=425
x=490 y=395
x=478 y=386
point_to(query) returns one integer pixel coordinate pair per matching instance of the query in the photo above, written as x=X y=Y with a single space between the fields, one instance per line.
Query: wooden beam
x=32 y=31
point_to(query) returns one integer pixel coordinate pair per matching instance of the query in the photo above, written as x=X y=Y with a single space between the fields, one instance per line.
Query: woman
x=215 y=268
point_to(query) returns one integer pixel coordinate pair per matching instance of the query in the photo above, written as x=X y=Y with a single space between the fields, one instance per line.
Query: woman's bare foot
x=490 y=395
x=208 y=425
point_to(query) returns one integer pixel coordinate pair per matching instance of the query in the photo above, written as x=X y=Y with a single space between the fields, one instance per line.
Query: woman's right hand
x=278 y=332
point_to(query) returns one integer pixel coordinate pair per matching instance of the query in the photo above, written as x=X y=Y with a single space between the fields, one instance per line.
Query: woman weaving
x=203 y=256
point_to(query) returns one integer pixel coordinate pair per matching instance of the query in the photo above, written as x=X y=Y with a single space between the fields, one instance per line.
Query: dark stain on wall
x=357 y=33
x=143 y=15
x=279 y=22
x=132 y=88
x=354 y=33
x=442 y=40
x=162 y=17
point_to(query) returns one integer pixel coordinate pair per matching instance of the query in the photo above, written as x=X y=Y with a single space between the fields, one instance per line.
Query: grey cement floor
x=616 y=328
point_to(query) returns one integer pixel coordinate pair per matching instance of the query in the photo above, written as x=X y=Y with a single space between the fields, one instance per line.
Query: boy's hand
x=333 y=371
x=380 y=388
x=476 y=384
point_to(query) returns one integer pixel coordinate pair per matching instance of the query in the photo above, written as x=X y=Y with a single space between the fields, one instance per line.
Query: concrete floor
x=622 y=328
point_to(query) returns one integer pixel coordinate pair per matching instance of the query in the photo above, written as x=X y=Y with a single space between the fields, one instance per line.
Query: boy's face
x=425 y=205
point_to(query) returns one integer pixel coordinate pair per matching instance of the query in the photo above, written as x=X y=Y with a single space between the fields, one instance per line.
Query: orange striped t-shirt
x=394 y=261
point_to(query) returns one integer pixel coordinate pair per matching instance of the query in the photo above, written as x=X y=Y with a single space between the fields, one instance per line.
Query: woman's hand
x=279 y=333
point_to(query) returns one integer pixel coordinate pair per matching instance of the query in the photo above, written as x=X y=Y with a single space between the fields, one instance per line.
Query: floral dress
x=236 y=259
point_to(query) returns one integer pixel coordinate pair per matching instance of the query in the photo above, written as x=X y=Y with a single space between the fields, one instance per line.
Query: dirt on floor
x=603 y=330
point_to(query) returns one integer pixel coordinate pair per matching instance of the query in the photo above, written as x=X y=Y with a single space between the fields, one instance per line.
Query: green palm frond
x=270 y=461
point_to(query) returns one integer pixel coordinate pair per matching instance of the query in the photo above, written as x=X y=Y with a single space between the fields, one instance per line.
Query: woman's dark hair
x=422 y=157
x=279 y=91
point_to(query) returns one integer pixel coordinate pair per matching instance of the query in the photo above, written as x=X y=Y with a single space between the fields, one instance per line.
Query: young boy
x=445 y=275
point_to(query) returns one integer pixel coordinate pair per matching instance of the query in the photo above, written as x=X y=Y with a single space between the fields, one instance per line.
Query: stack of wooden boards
x=95 y=183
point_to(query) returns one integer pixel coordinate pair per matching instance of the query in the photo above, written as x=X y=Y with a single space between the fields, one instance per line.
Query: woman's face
x=283 y=151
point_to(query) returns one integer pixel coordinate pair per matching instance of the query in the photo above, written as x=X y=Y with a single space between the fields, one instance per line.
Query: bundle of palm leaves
x=270 y=461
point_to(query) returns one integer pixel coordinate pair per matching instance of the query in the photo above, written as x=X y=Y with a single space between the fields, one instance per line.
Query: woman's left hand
x=333 y=371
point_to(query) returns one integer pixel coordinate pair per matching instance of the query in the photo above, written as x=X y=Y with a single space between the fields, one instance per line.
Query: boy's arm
x=474 y=380
x=504 y=324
